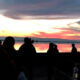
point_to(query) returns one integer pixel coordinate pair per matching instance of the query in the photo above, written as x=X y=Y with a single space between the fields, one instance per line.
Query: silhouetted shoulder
x=50 y=50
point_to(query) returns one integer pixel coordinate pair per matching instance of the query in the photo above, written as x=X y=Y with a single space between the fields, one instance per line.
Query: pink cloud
x=62 y=35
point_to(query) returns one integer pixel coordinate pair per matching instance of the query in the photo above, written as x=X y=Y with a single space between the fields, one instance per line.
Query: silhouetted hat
x=73 y=44
x=28 y=40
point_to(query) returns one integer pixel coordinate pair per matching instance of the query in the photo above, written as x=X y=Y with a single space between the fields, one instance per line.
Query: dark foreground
x=26 y=63
x=52 y=67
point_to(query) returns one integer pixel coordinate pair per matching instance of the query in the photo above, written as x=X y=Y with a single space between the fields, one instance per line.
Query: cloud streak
x=18 y=8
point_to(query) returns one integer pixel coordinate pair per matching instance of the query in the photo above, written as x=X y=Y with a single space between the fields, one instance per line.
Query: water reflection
x=42 y=47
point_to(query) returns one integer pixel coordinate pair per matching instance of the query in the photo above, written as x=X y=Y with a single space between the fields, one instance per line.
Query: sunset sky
x=40 y=18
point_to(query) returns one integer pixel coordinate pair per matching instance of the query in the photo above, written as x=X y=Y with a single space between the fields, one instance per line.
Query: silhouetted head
x=55 y=46
x=9 y=41
x=28 y=40
x=51 y=44
x=73 y=45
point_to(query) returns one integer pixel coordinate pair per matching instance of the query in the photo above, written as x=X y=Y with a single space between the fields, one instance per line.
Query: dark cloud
x=71 y=28
x=78 y=22
x=19 y=8
x=37 y=15
x=74 y=28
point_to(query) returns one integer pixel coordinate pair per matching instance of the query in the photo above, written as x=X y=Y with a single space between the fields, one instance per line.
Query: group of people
x=11 y=66
x=54 y=50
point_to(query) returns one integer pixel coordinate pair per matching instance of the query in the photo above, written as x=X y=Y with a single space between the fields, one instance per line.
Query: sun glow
x=17 y=46
x=22 y=28
x=44 y=47
x=49 y=28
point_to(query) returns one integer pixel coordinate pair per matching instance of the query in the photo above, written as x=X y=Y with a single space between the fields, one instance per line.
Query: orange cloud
x=65 y=34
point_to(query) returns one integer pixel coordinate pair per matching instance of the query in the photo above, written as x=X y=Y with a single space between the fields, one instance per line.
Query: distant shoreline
x=45 y=40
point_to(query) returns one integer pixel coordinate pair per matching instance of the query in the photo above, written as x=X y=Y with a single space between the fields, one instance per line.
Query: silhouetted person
x=49 y=64
x=9 y=46
x=55 y=51
x=9 y=50
x=74 y=50
x=28 y=50
x=50 y=50
x=6 y=66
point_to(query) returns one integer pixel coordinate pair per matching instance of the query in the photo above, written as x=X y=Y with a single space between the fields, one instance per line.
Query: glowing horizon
x=43 y=48
x=35 y=27
x=40 y=18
